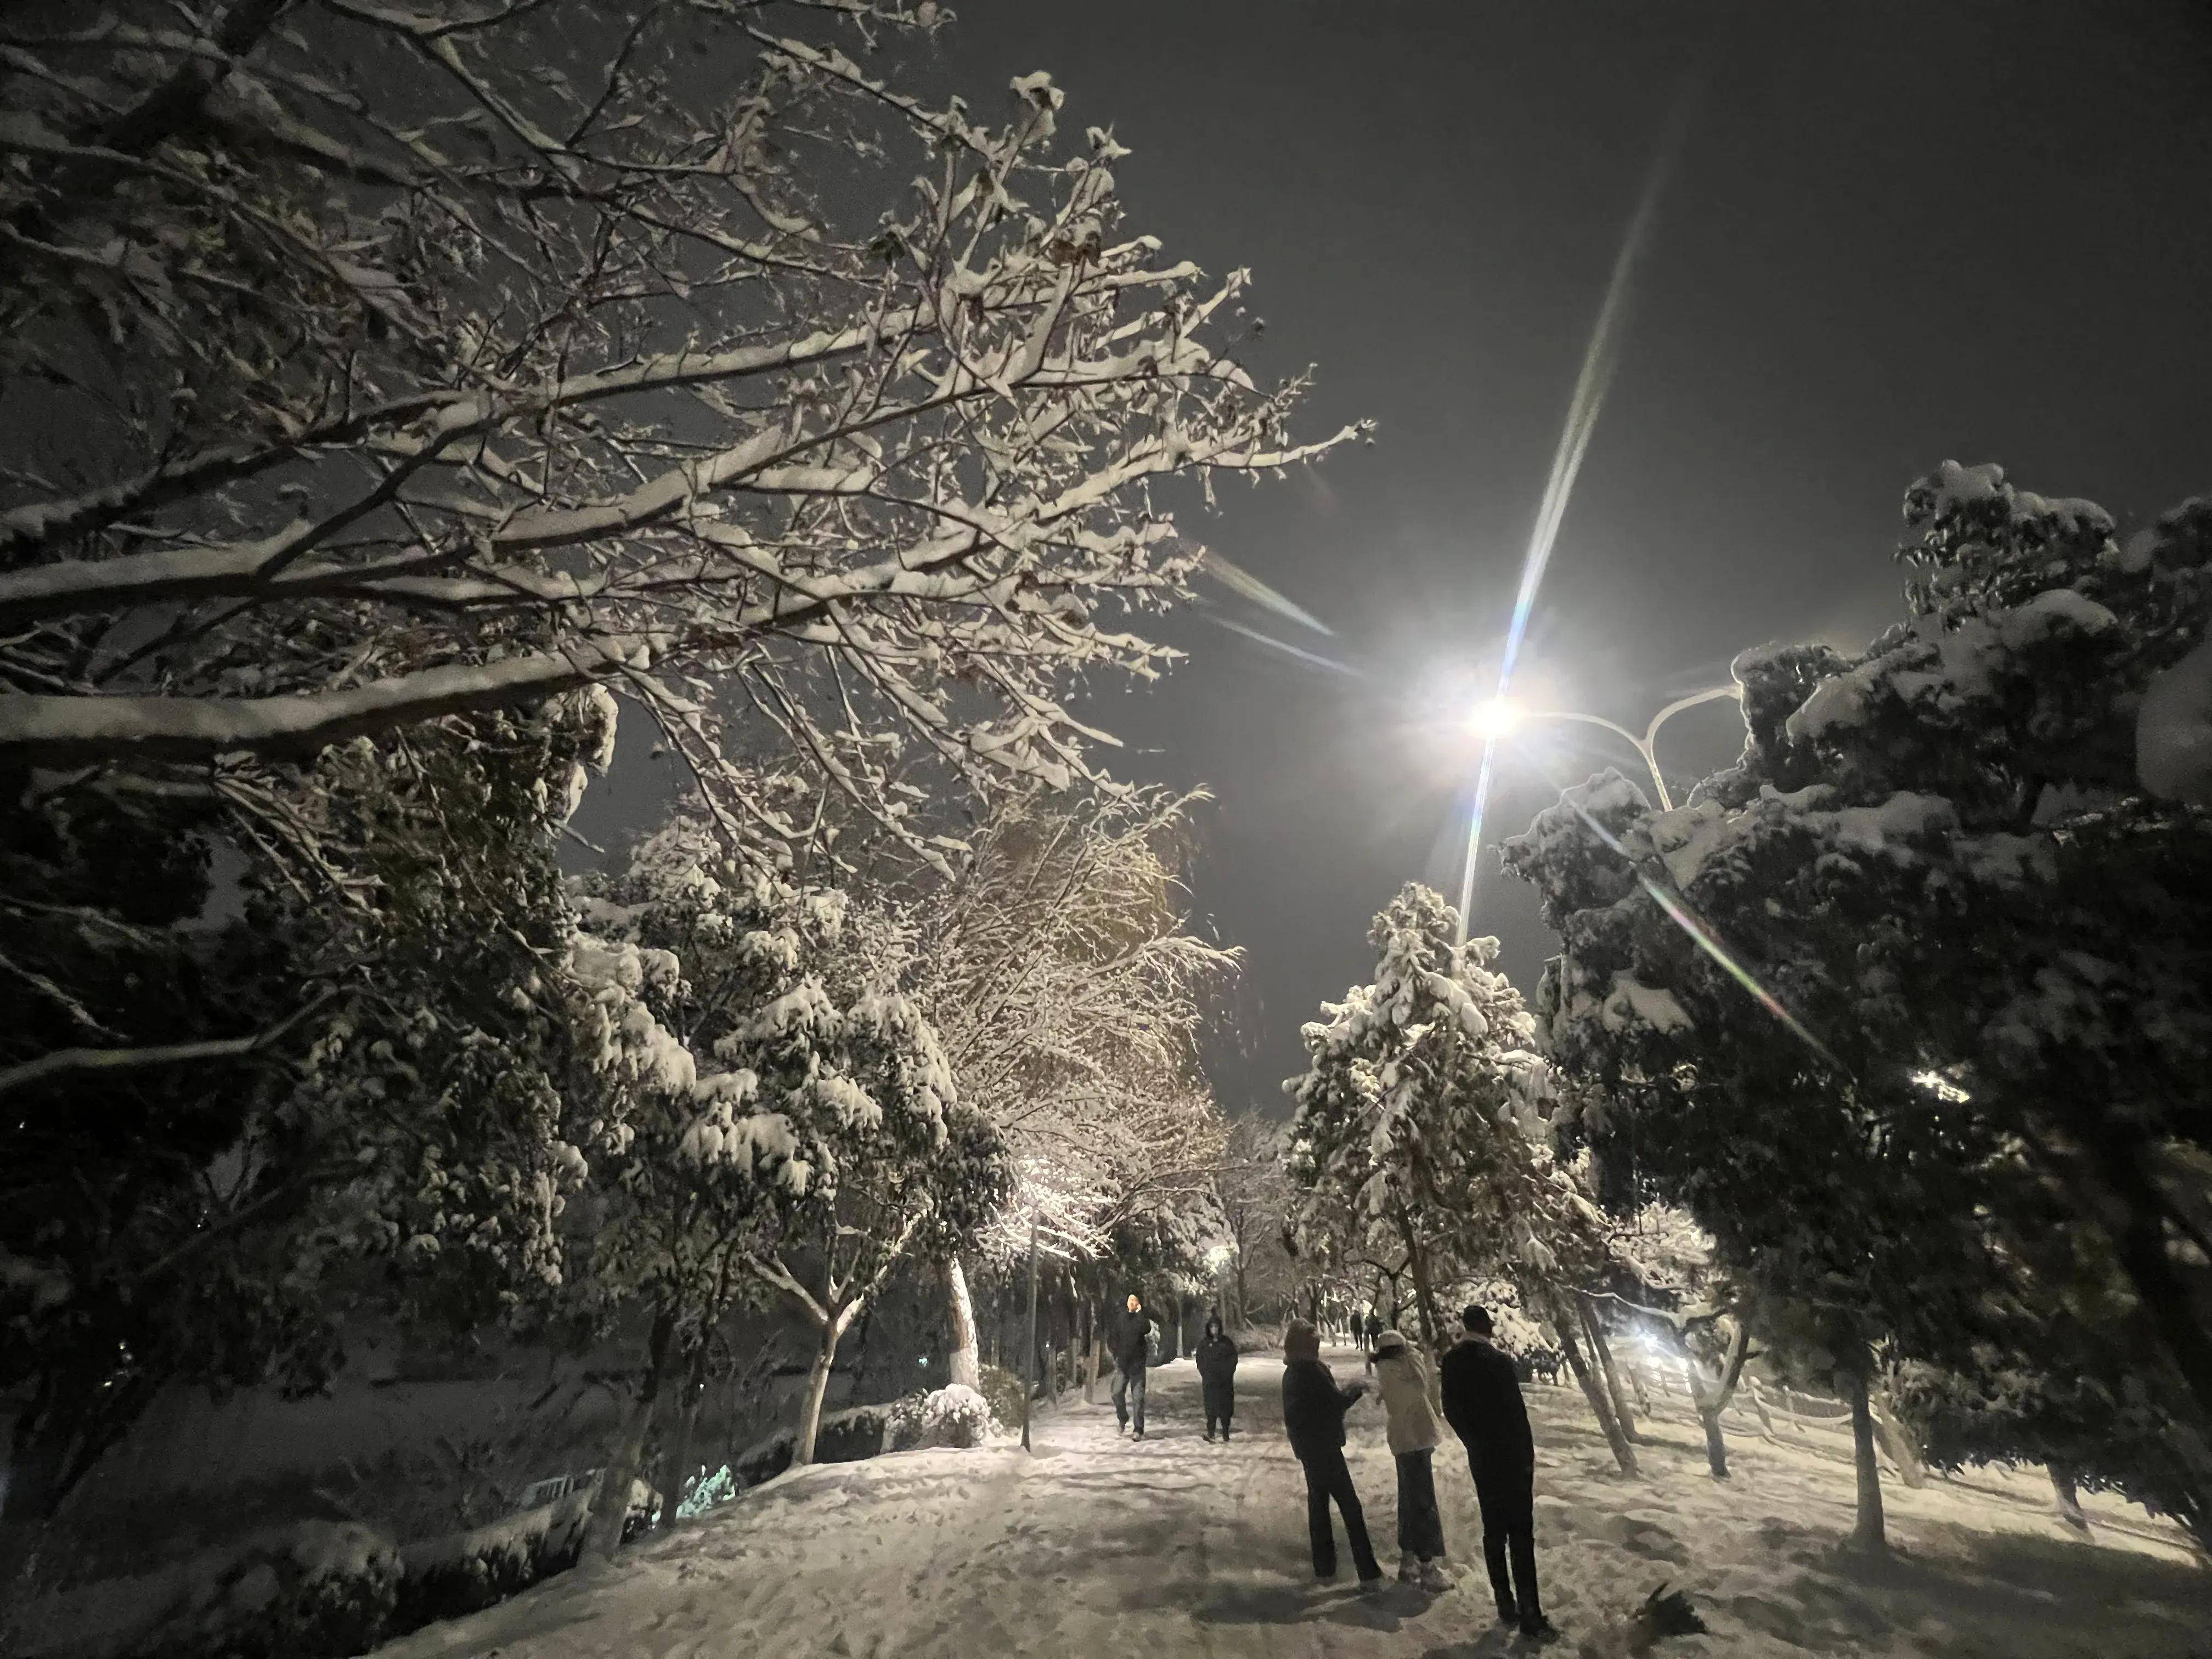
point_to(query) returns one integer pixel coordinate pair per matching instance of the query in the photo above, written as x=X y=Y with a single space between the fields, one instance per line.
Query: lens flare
x=1591 y=384
x=1273 y=644
x=1677 y=910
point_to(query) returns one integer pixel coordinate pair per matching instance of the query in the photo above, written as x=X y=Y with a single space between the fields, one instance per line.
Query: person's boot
x=1409 y=1568
x=1433 y=1577
x=1535 y=1628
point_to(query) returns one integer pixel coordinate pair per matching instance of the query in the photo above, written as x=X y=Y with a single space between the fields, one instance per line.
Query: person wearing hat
x=1313 y=1416
x=1413 y=1435
x=1482 y=1403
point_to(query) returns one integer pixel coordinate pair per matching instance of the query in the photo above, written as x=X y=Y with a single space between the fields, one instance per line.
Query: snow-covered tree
x=1061 y=973
x=411 y=1145
x=1419 y=1135
x=411 y=366
x=798 y=1131
x=1935 y=859
x=1255 y=1203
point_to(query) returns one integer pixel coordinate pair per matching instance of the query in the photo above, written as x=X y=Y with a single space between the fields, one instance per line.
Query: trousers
x=1328 y=1479
x=1220 y=1406
x=1420 y=1528
x=1508 y=1501
x=1128 y=1388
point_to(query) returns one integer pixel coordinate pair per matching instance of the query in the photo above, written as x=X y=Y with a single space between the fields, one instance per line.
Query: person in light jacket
x=1402 y=1377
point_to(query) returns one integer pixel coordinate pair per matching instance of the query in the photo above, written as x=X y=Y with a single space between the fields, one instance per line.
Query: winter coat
x=1314 y=1408
x=1217 y=1363
x=1129 y=1338
x=1402 y=1379
x=1482 y=1403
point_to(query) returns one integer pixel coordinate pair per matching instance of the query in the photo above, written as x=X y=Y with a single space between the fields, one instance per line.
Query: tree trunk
x=1897 y=1443
x=1869 y=1533
x=1563 y=1329
x=1425 y=1301
x=611 y=1505
x=817 y=1384
x=2069 y=1499
x=966 y=1365
x=676 y=1458
x=1603 y=1350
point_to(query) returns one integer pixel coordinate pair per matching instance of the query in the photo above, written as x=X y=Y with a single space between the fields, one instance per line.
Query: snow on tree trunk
x=1600 y=1407
x=1425 y=1301
x=1603 y=1349
x=966 y=1364
x=1869 y=1533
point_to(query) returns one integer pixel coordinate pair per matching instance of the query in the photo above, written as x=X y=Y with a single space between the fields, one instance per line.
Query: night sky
x=1896 y=235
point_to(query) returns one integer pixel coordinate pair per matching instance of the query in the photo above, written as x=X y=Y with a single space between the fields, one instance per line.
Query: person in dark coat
x=1482 y=1403
x=1217 y=1375
x=1371 y=1329
x=1313 y=1416
x=1128 y=1341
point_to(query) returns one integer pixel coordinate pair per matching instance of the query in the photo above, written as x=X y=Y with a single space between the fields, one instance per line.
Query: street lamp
x=1497 y=719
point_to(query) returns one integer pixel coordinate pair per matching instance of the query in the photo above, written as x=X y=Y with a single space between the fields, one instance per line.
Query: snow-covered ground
x=1094 y=1545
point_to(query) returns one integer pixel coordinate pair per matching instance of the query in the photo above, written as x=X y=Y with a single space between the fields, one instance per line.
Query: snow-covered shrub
x=315 y=1591
x=1256 y=1338
x=955 y=1415
x=464 y=1571
x=1002 y=1388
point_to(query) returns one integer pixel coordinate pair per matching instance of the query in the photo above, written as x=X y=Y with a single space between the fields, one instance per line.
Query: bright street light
x=1494 y=720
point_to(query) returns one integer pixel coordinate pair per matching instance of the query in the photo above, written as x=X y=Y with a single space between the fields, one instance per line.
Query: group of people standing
x=1478 y=1388
x=1479 y=1392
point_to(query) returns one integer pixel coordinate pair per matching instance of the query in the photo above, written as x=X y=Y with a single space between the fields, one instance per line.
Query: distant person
x=1371 y=1331
x=1413 y=1435
x=1313 y=1416
x=1129 y=1340
x=1482 y=1403
x=1217 y=1375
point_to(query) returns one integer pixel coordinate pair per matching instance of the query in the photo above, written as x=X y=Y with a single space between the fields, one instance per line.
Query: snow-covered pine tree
x=1936 y=857
x=1409 y=1136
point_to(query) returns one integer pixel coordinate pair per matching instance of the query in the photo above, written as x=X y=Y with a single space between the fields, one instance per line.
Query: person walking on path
x=1217 y=1375
x=1313 y=1416
x=1371 y=1331
x=1129 y=1341
x=1482 y=1403
x=1413 y=1435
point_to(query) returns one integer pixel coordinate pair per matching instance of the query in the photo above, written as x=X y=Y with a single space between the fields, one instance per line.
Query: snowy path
x=1098 y=1546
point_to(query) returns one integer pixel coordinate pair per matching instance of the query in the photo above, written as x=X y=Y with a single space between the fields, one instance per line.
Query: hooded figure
x=1413 y=1435
x=1313 y=1416
x=1217 y=1375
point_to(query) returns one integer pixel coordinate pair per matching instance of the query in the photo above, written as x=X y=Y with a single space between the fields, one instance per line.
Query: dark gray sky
x=1898 y=233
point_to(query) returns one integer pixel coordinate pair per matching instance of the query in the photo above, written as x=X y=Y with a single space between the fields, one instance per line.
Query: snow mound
x=955 y=1415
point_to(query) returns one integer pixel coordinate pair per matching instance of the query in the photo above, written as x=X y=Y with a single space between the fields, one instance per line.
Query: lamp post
x=1496 y=719
x=1028 y=1348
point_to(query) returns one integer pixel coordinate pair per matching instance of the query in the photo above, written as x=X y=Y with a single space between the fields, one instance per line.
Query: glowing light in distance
x=1494 y=720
